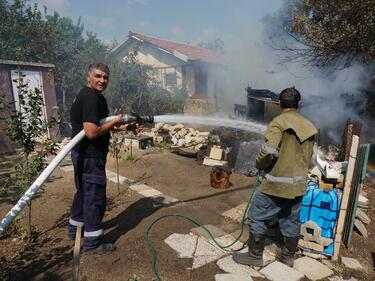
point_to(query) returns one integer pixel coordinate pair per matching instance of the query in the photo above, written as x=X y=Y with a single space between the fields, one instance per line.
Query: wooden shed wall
x=6 y=145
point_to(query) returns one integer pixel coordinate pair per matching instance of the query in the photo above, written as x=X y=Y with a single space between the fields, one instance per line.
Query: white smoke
x=254 y=62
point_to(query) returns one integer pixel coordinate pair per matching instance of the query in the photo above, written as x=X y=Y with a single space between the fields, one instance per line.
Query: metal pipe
x=7 y=220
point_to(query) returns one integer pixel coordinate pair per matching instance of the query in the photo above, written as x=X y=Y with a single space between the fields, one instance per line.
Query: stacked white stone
x=180 y=136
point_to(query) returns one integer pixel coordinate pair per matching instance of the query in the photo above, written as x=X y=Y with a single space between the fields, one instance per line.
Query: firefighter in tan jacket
x=284 y=159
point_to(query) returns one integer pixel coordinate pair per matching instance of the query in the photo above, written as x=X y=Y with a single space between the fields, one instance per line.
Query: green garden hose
x=180 y=215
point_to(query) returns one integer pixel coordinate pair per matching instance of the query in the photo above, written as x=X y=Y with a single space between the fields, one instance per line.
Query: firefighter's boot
x=288 y=250
x=254 y=257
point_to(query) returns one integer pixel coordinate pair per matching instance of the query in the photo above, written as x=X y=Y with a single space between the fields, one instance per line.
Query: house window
x=170 y=79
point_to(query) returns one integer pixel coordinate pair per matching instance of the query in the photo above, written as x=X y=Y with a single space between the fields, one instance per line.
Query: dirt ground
x=49 y=255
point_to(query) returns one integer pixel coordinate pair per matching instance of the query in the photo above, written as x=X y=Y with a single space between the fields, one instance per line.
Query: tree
x=29 y=34
x=134 y=88
x=334 y=31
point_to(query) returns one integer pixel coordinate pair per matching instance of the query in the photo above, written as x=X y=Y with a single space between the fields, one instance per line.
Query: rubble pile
x=178 y=135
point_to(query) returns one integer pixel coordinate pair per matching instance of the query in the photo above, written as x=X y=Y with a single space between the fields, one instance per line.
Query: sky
x=189 y=21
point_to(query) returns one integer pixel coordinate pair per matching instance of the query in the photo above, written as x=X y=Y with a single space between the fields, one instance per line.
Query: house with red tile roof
x=178 y=65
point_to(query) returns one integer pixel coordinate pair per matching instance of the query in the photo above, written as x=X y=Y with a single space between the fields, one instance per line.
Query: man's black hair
x=98 y=65
x=289 y=98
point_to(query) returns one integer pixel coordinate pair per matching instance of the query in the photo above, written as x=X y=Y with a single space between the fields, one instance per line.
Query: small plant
x=134 y=278
x=115 y=147
x=28 y=128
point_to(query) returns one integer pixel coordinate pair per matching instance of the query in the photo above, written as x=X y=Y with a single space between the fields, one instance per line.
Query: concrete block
x=212 y=162
x=203 y=134
x=216 y=153
x=227 y=264
x=278 y=271
x=232 y=277
x=313 y=269
x=181 y=142
x=351 y=263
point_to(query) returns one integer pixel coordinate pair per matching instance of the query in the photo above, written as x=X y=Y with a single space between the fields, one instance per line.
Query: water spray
x=130 y=119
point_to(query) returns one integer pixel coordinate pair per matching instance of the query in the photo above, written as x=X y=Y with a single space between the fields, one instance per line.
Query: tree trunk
x=29 y=226
x=118 y=177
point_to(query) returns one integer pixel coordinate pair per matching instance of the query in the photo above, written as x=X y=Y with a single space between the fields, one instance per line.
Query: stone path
x=200 y=247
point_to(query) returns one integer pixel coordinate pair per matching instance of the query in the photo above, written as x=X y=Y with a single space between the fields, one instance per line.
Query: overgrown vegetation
x=134 y=88
x=334 y=31
x=50 y=38
x=27 y=126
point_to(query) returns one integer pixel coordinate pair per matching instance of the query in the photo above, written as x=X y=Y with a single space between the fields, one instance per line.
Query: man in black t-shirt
x=89 y=159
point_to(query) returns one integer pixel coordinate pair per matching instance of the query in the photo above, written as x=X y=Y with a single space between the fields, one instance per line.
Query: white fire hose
x=33 y=189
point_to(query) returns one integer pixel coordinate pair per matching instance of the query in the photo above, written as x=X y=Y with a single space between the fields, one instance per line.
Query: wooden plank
x=345 y=196
x=360 y=172
x=76 y=252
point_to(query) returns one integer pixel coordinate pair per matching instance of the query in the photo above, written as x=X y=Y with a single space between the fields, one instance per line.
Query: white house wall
x=162 y=62
x=189 y=80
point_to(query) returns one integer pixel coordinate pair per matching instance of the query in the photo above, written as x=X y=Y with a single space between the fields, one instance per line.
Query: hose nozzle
x=141 y=119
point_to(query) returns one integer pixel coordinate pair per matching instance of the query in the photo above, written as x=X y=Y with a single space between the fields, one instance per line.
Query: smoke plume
x=255 y=62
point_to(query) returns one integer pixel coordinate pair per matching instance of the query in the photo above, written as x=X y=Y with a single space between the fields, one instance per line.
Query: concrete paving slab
x=216 y=232
x=226 y=240
x=67 y=168
x=184 y=244
x=351 y=263
x=313 y=269
x=112 y=176
x=140 y=187
x=268 y=256
x=205 y=253
x=233 y=227
x=278 y=271
x=227 y=264
x=150 y=193
x=235 y=214
x=244 y=236
x=204 y=248
x=232 y=277
x=203 y=260
x=164 y=199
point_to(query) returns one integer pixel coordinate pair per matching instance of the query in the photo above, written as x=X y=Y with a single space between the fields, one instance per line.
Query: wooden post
x=76 y=252
x=345 y=196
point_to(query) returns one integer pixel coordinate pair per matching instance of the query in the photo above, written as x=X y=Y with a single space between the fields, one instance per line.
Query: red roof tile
x=193 y=53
